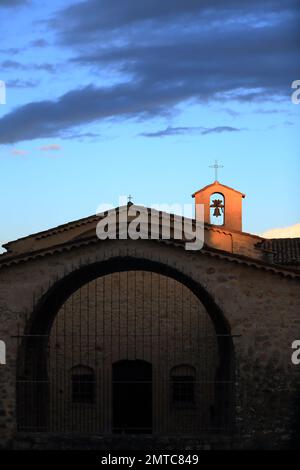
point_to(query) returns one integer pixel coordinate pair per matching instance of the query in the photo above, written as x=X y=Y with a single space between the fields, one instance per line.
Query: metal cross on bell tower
x=216 y=166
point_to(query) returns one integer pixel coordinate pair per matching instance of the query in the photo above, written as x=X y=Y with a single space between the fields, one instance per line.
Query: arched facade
x=126 y=309
x=253 y=309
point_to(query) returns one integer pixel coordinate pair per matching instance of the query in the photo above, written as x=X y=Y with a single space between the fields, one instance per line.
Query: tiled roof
x=286 y=251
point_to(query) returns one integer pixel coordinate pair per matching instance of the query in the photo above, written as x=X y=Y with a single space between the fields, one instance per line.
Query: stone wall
x=261 y=307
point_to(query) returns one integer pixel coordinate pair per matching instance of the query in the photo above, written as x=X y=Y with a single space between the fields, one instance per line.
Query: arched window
x=183 y=378
x=217 y=209
x=83 y=384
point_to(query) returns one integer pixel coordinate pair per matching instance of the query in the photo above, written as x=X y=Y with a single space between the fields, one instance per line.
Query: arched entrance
x=126 y=310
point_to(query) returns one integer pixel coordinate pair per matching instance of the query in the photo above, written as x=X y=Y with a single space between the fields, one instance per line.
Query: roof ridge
x=91 y=218
x=220 y=184
x=231 y=257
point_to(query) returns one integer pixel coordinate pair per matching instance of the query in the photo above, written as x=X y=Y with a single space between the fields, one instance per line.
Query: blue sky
x=114 y=97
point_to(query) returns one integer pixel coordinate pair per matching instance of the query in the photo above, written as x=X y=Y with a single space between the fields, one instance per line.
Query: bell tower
x=222 y=205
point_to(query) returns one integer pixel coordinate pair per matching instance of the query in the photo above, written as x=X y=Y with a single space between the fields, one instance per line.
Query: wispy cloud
x=39 y=43
x=81 y=135
x=231 y=112
x=21 y=83
x=171 y=131
x=36 y=43
x=15 y=65
x=50 y=148
x=18 y=152
x=12 y=64
x=11 y=51
x=220 y=129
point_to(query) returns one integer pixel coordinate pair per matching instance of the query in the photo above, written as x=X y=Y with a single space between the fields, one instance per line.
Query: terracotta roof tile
x=286 y=251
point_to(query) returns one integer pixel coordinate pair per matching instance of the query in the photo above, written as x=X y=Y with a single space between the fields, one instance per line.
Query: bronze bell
x=217 y=206
x=217 y=212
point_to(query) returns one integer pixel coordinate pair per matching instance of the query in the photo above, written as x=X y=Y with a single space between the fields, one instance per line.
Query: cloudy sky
x=113 y=97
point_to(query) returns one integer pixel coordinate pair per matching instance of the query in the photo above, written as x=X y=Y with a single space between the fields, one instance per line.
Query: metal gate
x=131 y=352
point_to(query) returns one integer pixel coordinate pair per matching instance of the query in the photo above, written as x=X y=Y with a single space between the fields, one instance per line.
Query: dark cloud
x=12 y=3
x=165 y=53
x=39 y=43
x=83 y=21
x=252 y=60
x=53 y=118
x=171 y=131
x=243 y=64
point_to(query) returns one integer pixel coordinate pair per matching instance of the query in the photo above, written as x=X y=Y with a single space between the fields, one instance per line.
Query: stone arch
x=32 y=352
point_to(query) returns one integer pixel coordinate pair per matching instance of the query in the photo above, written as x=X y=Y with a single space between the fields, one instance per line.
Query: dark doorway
x=132 y=397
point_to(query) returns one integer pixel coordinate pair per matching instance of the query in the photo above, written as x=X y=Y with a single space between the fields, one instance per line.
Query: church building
x=142 y=344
